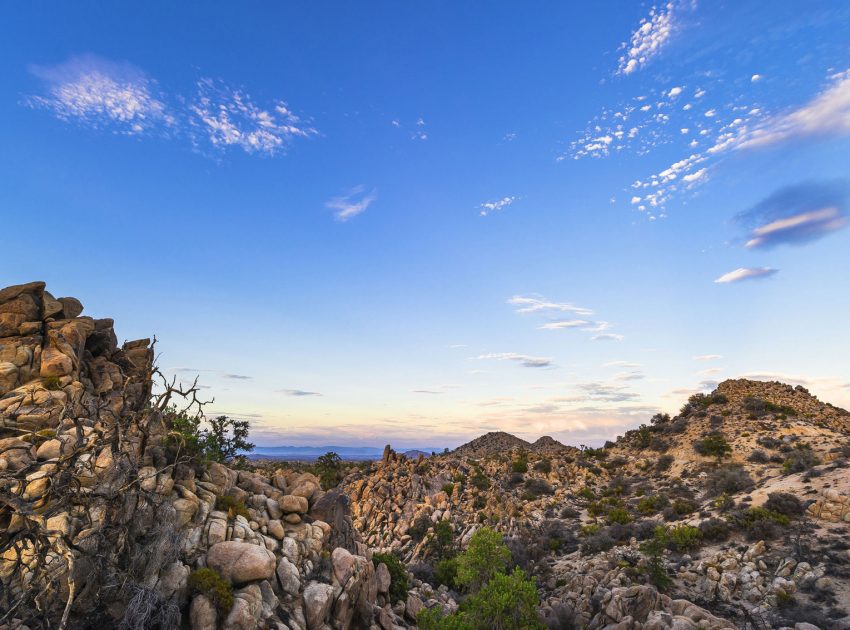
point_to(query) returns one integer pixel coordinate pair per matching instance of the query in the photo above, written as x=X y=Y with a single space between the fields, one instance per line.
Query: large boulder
x=240 y=562
x=318 y=598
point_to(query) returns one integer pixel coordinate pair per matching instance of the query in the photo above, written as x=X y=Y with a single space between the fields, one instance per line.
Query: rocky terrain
x=733 y=513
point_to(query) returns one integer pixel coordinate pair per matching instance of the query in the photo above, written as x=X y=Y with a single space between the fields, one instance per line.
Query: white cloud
x=695 y=176
x=229 y=117
x=707 y=357
x=745 y=273
x=351 y=204
x=827 y=114
x=492 y=206
x=756 y=78
x=607 y=337
x=622 y=364
x=565 y=323
x=674 y=92
x=648 y=40
x=103 y=95
x=823 y=220
x=541 y=305
x=523 y=359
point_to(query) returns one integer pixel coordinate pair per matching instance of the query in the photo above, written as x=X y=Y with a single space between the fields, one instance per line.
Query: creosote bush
x=209 y=583
x=398 y=575
x=233 y=506
x=713 y=445
x=728 y=480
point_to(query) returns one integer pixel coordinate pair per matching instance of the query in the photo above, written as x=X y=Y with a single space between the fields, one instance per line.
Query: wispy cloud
x=102 y=94
x=523 y=359
x=653 y=33
x=746 y=273
x=353 y=203
x=607 y=393
x=707 y=357
x=237 y=377
x=607 y=337
x=533 y=304
x=297 y=392
x=123 y=99
x=229 y=117
x=565 y=323
x=826 y=115
x=796 y=214
x=622 y=364
x=492 y=206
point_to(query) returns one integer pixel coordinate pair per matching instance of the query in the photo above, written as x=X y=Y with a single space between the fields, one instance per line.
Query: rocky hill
x=732 y=513
x=105 y=523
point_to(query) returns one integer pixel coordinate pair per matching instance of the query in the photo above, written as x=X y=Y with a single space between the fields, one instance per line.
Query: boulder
x=291 y=503
x=240 y=562
x=317 y=598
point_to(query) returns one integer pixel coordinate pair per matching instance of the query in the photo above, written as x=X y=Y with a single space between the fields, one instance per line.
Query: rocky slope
x=733 y=513
x=579 y=520
x=104 y=524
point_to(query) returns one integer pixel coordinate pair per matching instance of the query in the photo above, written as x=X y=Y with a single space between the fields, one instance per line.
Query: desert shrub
x=505 y=603
x=486 y=555
x=659 y=444
x=643 y=437
x=729 y=480
x=664 y=462
x=479 y=480
x=420 y=526
x=596 y=542
x=515 y=479
x=684 y=537
x=209 y=583
x=682 y=506
x=618 y=515
x=448 y=488
x=723 y=503
x=328 y=469
x=233 y=506
x=800 y=459
x=537 y=487
x=758 y=407
x=651 y=503
x=714 y=529
x=520 y=463
x=442 y=543
x=398 y=575
x=544 y=465
x=758 y=456
x=569 y=512
x=703 y=401
x=760 y=523
x=769 y=442
x=784 y=503
x=713 y=445
x=224 y=440
x=51 y=383
x=715 y=422
x=653 y=550
x=587 y=493
x=445 y=572
x=596 y=453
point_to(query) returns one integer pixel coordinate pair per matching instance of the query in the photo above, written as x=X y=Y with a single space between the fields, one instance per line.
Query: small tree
x=226 y=438
x=486 y=556
x=329 y=469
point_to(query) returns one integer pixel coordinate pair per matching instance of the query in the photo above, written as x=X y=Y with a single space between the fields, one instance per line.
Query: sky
x=413 y=223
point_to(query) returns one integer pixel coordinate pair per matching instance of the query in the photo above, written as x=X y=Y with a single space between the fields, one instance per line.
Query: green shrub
x=664 y=462
x=51 y=383
x=486 y=555
x=800 y=459
x=520 y=465
x=329 y=470
x=442 y=543
x=684 y=537
x=507 y=602
x=713 y=445
x=223 y=441
x=683 y=507
x=479 y=480
x=651 y=503
x=618 y=515
x=544 y=465
x=209 y=583
x=537 y=487
x=784 y=503
x=728 y=480
x=653 y=549
x=398 y=575
x=421 y=525
x=448 y=488
x=445 y=572
x=233 y=506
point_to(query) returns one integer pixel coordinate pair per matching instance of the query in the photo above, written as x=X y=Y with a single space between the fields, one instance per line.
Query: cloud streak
x=746 y=273
x=648 y=40
x=494 y=206
x=523 y=359
x=355 y=202
x=796 y=214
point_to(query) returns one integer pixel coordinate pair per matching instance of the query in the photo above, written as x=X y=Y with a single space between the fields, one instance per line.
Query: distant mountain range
x=348 y=453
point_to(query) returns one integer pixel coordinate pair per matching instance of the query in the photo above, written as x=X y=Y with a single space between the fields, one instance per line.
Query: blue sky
x=413 y=223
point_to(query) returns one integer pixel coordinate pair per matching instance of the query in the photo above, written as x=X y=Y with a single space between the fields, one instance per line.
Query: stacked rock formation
x=100 y=521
